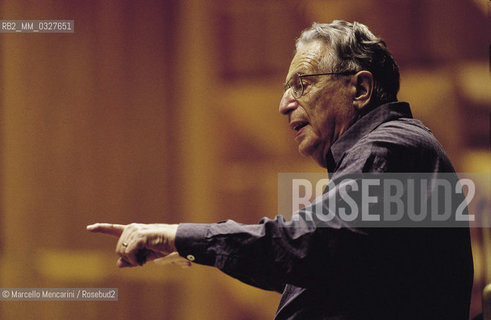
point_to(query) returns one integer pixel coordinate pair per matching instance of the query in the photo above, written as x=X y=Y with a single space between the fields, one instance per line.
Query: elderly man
x=341 y=99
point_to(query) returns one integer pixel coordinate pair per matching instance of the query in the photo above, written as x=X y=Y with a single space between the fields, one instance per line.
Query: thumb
x=173 y=258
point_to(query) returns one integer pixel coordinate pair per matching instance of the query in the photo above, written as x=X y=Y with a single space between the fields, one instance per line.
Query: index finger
x=107 y=228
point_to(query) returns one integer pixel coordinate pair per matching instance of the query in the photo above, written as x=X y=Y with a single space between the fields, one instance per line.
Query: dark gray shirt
x=334 y=271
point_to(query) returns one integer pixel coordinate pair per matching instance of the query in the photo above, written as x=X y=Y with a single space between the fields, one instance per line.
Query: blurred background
x=166 y=111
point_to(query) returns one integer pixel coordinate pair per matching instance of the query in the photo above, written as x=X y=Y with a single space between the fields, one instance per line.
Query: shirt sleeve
x=271 y=253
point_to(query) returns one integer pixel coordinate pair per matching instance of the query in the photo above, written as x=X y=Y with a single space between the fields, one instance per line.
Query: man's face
x=326 y=108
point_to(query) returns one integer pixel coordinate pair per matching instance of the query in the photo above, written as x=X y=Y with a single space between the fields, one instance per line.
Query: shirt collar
x=364 y=125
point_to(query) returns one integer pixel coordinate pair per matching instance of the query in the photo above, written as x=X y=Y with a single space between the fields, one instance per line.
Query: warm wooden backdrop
x=166 y=111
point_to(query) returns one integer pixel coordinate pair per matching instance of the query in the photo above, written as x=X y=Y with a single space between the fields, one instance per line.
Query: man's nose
x=287 y=103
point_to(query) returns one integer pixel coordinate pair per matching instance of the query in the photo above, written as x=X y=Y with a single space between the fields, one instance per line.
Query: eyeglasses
x=297 y=85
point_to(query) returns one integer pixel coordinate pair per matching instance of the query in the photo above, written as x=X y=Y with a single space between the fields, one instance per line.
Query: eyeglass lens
x=296 y=85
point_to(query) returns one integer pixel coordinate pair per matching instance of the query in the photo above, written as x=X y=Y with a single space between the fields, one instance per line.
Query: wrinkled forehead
x=308 y=58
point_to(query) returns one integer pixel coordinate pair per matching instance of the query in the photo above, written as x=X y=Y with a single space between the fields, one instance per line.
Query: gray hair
x=356 y=48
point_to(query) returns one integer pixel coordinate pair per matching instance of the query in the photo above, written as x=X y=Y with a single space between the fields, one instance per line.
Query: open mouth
x=299 y=125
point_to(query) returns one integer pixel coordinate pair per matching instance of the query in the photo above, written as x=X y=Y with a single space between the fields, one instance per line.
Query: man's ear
x=363 y=81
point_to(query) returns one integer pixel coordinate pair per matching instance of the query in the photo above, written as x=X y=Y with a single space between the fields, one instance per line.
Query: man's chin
x=305 y=151
x=315 y=153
